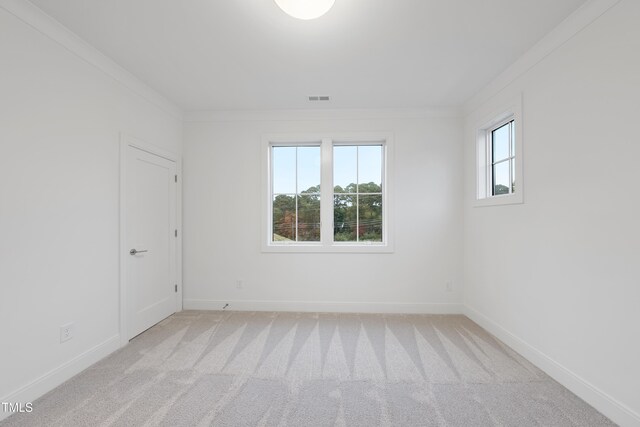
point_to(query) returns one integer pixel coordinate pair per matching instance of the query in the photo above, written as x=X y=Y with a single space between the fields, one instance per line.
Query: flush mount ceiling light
x=305 y=9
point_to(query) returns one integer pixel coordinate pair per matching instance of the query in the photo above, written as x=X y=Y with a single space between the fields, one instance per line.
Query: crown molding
x=33 y=16
x=319 y=114
x=565 y=31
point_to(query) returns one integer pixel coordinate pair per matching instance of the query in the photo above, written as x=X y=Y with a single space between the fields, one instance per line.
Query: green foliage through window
x=308 y=216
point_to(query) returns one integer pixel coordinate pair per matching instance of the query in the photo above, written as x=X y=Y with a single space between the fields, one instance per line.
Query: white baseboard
x=607 y=405
x=62 y=373
x=324 y=307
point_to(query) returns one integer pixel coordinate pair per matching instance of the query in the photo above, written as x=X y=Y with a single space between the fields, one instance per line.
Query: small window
x=499 y=158
x=502 y=140
x=327 y=196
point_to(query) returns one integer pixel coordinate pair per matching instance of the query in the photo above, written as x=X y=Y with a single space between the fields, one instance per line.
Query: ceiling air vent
x=318 y=98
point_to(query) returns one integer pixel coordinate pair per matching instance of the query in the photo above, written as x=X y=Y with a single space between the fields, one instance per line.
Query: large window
x=327 y=195
x=499 y=158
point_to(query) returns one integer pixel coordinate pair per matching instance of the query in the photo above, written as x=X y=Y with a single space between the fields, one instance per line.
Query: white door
x=150 y=232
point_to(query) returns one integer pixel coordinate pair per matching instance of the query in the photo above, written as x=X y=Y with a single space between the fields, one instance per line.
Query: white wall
x=558 y=277
x=223 y=214
x=60 y=120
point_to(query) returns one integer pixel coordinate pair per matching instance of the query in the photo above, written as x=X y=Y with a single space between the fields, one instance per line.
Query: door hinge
x=176 y=288
x=175 y=178
x=176 y=232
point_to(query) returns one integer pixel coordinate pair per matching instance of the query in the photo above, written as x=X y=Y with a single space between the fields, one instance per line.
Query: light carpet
x=312 y=369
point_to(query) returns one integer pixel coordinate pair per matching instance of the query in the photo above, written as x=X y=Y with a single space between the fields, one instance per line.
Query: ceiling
x=248 y=54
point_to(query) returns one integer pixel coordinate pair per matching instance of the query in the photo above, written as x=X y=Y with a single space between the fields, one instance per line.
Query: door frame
x=127 y=141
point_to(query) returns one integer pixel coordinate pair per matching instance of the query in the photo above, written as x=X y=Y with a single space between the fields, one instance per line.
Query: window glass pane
x=345 y=167
x=500 y=140
x=370 y=169
x=284 y=218
x=309 y=218
x=513 y=138
x=344 y=218
x=513 y=175
x=308 y=169
x=370 y=213
x=501 y=178
x=283 y=165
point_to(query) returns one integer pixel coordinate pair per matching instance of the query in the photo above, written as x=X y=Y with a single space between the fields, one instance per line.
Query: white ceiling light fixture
x=305 y=9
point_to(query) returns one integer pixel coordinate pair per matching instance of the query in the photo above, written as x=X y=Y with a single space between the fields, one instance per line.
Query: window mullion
x=295 y=199
x=326 y=192
x=357 y=191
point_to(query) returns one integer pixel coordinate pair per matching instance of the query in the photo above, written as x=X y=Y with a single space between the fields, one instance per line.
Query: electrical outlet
x=66 y=332
x=239 y=283
x=449 y=286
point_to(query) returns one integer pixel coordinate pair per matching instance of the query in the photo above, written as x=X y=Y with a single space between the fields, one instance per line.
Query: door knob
x=135 y=251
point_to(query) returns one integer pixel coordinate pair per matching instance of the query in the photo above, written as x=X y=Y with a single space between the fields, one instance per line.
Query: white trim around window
x=511 y=115
x=327 y=142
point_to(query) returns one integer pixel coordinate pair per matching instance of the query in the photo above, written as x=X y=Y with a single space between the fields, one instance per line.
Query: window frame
x=296 y=194
x=491 y=179
x=327 y=142
x=484 y=157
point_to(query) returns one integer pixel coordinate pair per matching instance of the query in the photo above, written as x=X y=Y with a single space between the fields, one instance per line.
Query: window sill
x=334 y=248
x=507 y=199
